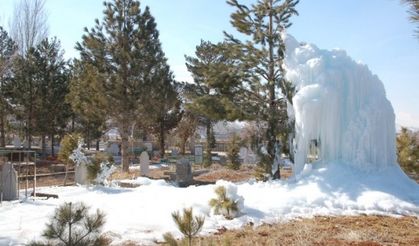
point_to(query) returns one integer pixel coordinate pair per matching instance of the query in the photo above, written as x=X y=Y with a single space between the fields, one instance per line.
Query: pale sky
x=375 y=32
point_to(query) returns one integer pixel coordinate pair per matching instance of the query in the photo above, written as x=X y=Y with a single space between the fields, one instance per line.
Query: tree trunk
x=66 y=174
x=97 y=145
x=52 y=145
x=88 y=139
x=161 y=138
x=124 y=132
x=183 y=146
x=208 y=157
x=43 y=147
x=271 y=132
x=2 y=131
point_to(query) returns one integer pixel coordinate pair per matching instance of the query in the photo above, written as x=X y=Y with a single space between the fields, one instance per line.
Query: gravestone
x=80 y=176
x=175 y=152
x=243 y=154
x=113 y=149
x=149 y=146
x=199 y=150
x=184 y=173
x=8 y=182
x=16 y=142
x=144 y=163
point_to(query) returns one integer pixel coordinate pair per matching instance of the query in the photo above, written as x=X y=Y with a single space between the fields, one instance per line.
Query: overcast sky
x=375 y=32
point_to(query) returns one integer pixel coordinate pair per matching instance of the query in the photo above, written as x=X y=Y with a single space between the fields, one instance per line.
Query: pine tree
x=86 y=100
x=414 y=12
x=186 y=129
x=7 y=52
x=72 y=225
x=211 y=96
x=52 y=79
x=188 y=224
x=260 y=59
x=124 y=48
x=164 y=113
x=223 y=205
x=23 y=90
x=407 y=151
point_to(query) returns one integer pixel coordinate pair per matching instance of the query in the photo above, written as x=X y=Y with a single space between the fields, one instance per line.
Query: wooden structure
x=24 y=162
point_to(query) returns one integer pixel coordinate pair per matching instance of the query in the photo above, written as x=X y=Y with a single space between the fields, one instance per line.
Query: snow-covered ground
x=143 y=213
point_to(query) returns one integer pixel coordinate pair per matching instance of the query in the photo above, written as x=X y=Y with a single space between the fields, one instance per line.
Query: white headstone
x=144 y=163
x=113 y=149
x=8 y=182
x=243 y=153
x=16 y=142
x=80 y=176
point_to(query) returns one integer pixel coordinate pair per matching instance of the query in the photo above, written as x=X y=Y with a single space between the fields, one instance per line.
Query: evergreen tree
x=72 y=225
x=188 y=224
x=52 y=79
x=211 y=96
x=87 y=102
x=164 y=112
x=23 y=90
x=407 y=151
x=186 y=129
x=125 y=49
x=260 y=58
x=414 y=12
x=7 y=53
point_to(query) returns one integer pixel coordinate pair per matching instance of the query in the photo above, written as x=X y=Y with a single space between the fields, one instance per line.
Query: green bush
x=67 y=145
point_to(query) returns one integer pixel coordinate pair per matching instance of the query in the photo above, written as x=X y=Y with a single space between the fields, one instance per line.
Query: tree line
x=122 y=76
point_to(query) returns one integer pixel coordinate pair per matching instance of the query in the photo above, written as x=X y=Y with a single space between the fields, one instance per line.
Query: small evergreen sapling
x=188 y=224
x=226 y=205
x=72 y=225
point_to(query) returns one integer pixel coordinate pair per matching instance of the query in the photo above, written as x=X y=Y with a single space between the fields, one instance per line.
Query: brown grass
x=354 y=230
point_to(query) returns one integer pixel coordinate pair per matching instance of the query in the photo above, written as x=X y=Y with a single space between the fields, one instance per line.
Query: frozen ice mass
x=341 y=110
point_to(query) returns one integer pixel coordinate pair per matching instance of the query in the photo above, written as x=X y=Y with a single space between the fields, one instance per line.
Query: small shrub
x=67 y=145
x=100 y=168
x=229 y=207
x=187 y=224
x=233 y=153
x=72 y=225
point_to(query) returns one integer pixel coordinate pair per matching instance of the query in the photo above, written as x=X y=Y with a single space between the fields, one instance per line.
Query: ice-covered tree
x=125 y=49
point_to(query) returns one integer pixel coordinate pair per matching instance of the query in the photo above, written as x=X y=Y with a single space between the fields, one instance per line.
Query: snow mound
x=342 y=107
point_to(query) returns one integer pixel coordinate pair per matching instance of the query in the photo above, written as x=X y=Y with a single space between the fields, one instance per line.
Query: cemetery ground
x=319 y=230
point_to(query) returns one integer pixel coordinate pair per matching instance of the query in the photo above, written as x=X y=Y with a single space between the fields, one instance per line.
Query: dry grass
x=357 y=230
